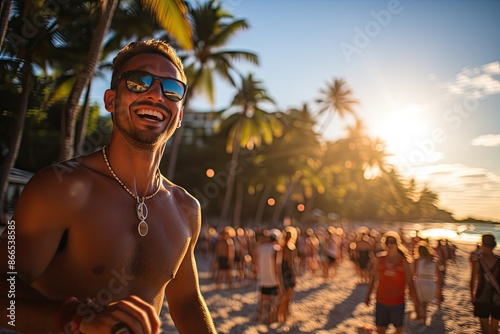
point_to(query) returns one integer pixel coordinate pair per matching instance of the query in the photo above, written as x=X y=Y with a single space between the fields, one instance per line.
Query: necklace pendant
x=142 y=228
x=142 y=209
x=142 y=214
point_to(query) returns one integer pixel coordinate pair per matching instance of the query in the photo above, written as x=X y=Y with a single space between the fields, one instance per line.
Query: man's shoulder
x=66 y=170
x=180 y=194
x=53 y=183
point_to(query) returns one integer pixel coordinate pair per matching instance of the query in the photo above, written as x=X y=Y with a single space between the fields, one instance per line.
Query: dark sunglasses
x=140 y=81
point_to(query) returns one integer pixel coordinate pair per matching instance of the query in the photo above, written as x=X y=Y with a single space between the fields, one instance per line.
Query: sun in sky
x=402 y=130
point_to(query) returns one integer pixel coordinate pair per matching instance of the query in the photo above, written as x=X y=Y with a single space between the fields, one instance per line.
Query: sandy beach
x=333 y=306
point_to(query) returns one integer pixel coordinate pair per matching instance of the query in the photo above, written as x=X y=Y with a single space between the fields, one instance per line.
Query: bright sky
x=426 y=73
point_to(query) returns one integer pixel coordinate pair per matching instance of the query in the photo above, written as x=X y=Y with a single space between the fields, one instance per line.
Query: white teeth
x=149 y=112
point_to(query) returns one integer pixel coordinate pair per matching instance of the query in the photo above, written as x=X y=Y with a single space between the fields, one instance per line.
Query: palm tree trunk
x=82 y=129
x=174 y=153
x=177 y=141
x=262 y=204
x=232 y=174
x=309 y=205
x=238 y=205
x=70 y=110
x=281 y=203
x=11 y=157
x=4 y=18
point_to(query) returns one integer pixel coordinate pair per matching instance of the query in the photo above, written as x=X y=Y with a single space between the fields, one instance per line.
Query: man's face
x=148 y=118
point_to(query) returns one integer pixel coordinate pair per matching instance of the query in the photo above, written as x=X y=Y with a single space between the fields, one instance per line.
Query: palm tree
x=250 y=126
x=49 y=45
x=5 y=7
x=169 y=14
x=427 y=203
x=213 y=27
x=291 y=165
x=336 y=98
x=121 y=30
x=25 y=53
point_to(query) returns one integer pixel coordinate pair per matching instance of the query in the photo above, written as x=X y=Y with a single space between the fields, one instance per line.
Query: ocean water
x=466 y=235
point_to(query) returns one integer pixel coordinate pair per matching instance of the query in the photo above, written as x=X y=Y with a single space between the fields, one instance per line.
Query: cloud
x=476 y=82
x=489 y=140
x=465 y=191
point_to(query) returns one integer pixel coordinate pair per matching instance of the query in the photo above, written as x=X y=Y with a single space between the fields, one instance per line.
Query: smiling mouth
x=149 y=114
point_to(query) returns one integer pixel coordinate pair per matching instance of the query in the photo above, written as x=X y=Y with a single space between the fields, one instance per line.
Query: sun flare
x=401 y=128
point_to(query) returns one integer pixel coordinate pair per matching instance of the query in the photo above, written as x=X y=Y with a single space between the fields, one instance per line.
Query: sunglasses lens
x=139 y=82
x=173 y=90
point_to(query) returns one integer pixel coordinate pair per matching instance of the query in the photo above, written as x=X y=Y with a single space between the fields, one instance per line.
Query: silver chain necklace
x=142 y=208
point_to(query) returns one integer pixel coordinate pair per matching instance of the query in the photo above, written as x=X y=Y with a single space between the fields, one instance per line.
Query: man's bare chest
x=103 y=247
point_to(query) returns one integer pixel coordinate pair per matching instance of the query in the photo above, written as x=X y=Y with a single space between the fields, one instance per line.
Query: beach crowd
x=396 y=269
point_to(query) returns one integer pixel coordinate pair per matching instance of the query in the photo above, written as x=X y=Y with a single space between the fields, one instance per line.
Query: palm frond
x=171 y=15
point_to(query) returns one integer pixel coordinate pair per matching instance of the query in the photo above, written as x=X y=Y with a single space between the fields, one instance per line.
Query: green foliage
x=282 y=155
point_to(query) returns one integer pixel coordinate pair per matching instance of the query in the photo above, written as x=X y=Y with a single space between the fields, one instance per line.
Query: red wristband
x=67 y=319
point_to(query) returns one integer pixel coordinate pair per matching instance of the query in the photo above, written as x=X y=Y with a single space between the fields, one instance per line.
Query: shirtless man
x=102 y=239
x=224 y=257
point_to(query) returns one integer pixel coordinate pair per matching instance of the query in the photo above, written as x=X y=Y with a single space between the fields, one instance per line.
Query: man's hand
x=131 y=313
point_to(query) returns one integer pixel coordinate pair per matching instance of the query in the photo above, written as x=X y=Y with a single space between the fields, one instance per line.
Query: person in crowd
x=240 y=253
x=427 y=279
x=484 y=286
x=251 y=269
x=104 y=238
x=443 y=253
x=269 y=274
x=301 y=250
x=313 y=259
x=363 y=253
x=287 y=257
x=224 y=255
x=475 y=253
x=332 y=253
x=452 y=251
x=393 y=273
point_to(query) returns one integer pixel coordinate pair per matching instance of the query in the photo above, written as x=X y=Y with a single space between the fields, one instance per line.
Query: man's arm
x=439 y=284
x=409 y=279
x=26 y=249
x=185 y=302
x=38 y=232
x=373 y=279
x=473 y=279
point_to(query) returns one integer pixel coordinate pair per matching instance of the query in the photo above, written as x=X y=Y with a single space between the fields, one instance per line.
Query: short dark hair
x=150 y=46
x=488 y=240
